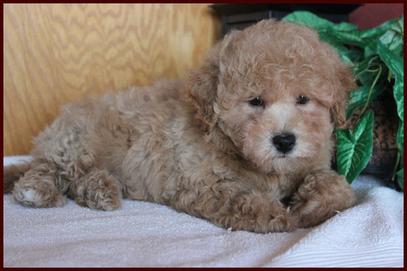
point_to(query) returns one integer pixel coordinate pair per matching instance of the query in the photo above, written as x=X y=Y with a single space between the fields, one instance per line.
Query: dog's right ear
x=203 y=82
x=346 y=83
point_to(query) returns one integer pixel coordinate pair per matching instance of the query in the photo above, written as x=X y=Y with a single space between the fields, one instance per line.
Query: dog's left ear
x=346 y=83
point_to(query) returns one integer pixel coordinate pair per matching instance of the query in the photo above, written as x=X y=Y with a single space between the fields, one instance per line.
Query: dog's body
x=249 y=129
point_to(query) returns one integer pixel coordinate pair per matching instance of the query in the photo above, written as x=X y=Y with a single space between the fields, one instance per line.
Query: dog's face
x=276 y=92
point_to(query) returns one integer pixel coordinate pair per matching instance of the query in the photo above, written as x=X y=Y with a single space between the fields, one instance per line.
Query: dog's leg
x=232 y=205
x=96 y=190
x=38 y=187
x=320 y=196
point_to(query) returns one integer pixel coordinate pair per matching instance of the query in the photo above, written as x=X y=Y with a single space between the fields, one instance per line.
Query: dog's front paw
x=98 y=190
x=320 y=197
x=106 y=197
x=284 y=222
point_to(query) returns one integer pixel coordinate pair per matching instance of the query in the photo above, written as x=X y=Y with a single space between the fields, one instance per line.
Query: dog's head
x=276 y=91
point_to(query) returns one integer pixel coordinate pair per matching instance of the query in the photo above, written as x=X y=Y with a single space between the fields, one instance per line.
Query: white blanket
x=148 y=234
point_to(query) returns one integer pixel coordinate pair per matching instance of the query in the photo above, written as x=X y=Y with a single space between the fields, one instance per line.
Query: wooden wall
x=57 y=53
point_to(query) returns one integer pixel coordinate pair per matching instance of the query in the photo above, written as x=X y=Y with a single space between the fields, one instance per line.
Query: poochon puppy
x=245 y=141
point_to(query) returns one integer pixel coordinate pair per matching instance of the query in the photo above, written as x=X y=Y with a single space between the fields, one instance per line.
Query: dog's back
x=100 y=132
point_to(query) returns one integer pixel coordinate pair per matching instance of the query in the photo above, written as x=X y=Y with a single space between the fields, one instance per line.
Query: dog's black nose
x=284 y=142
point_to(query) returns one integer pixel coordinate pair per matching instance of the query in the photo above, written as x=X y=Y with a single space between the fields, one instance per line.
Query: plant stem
x=368 y=65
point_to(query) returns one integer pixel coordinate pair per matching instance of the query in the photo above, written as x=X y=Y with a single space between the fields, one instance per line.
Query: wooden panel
x=56 y=53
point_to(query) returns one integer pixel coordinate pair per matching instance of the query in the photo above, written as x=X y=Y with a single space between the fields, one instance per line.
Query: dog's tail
x=12 y=174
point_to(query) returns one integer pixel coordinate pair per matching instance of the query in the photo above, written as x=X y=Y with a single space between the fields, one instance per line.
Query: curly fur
x=198 y=146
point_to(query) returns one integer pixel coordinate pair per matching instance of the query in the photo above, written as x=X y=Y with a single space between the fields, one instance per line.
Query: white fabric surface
x=148 y=234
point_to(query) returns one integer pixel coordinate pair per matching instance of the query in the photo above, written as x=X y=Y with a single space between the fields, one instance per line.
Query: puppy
x=244 y=142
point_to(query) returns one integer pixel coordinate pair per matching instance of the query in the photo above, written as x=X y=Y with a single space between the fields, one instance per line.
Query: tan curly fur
x=199 y=146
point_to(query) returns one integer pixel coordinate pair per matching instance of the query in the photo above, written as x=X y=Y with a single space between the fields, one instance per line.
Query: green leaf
x=308 y=19
x=374 y=33
x=365 y=70
x=359 y=97
x=393 y=41
x=392 y=60
x=398 y=92
x=370 y=74
x=395 y=64
x=354 y=147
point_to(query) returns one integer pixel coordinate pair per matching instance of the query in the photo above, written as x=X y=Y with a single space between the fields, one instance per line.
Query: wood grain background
x=54 y=54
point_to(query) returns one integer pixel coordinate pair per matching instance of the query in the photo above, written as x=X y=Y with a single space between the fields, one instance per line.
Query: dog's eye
x=257 y=101
x=302 y=99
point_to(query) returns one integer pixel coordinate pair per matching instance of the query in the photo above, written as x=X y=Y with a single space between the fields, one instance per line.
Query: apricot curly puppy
x=248 y=130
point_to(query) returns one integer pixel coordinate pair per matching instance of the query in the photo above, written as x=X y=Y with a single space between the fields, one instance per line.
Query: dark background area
x=239 y=16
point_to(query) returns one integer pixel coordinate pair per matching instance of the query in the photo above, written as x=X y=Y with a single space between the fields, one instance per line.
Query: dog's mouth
x=282 y=156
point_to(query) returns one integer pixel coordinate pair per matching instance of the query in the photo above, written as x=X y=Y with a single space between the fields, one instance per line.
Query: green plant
x=376 y=58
